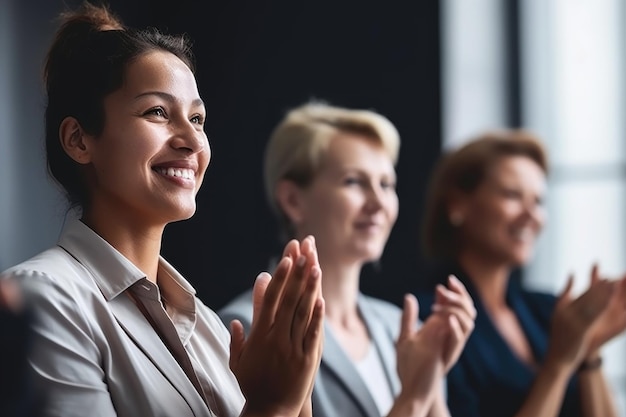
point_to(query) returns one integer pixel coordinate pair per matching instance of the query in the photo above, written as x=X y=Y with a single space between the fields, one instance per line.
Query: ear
x=289 y=199
x=457 y=208
x=74 y=140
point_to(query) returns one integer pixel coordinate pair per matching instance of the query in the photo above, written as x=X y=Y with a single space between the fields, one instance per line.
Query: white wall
x=474 y=78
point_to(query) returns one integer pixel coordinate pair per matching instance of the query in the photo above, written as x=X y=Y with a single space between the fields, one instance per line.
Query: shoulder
x=239 y=308
x=380 y=308
x=52 y=270
x=54 y=262
x=540 y=301
x=540 y=296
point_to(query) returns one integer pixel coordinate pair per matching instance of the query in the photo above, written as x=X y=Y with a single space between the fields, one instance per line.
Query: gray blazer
x=339 y=389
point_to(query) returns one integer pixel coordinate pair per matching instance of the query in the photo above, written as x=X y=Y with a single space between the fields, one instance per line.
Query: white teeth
x=176 y=172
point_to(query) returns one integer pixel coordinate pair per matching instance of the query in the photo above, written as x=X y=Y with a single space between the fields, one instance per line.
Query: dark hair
x=86 y=62
x=464 y=170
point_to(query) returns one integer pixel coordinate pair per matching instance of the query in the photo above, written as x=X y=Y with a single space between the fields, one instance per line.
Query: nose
x=535 y=212
x=189 y=138
x=374 y=200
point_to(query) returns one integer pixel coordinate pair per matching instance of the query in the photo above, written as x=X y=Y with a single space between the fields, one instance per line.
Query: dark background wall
x=257 y=58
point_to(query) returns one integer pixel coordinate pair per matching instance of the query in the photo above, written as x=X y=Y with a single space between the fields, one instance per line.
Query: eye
x=156 y=111
x=511 y=193
x=388 y=185
x=352 y=181
x=197 y=119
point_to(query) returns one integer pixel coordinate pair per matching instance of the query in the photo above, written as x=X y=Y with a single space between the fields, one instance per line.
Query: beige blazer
x=95 y=354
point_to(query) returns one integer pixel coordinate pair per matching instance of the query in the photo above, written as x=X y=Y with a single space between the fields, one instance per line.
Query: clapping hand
x=612 y=321
x=277 y=363
x=456 y=307
x=419 y=356
x=574 y=321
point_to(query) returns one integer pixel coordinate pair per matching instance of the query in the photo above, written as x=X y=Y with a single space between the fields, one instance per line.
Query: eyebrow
x=167 y=97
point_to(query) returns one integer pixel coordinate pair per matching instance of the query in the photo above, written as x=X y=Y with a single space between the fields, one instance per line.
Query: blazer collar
x=379 y=333
x=114 y=274
x=97 y=255
x=146 y=338
x=336 y=360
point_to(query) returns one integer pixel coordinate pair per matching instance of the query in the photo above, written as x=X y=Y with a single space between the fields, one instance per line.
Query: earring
x=456 y=219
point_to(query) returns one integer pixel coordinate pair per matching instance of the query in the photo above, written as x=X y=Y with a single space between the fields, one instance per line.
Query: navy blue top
x=490 y=380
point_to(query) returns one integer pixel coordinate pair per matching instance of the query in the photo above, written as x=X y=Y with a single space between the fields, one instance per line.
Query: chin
x=184 y=213
x=519 y=259
x=370 y=254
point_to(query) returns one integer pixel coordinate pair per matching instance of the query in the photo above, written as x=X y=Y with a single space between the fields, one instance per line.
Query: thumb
x=565 y=294
x=237 y=339
x=595 y=273
x=408 y=321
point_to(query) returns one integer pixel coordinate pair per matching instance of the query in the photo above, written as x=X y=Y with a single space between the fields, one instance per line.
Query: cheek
x=486 y=223
x=205 y=155
x=541 y=216
x=391 y=207
x=336 y=208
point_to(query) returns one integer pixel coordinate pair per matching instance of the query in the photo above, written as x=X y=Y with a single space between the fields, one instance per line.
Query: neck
x=340 y=287
x=138 y=242
x=488 y=277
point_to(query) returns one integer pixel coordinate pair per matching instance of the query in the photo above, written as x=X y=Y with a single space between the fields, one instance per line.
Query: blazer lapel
x=386 y=351
x=334 y=358
x=145 y=337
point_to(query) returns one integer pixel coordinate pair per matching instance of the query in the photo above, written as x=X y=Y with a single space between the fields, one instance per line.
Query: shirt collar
x=113 y=273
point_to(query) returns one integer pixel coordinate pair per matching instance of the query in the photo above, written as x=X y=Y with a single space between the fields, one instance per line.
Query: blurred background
x=441 y=71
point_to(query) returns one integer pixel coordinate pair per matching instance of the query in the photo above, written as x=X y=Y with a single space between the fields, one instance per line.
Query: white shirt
x=371 y=370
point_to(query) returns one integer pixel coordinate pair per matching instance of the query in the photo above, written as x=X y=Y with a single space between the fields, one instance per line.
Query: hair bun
x=97 y=18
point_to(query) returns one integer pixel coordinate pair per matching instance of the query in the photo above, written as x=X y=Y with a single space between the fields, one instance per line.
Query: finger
x=408 y=322
x=439 y=291
x=266 y=315
x=315 y=332
x=465 y=320
x=258 y=293
x=305 y=307
x=311 y=248
x=456 y=330
x=593 y=302
x=622 y=290
x=237 y=339
x=293 y=290
x=464 y=301
x=292 y=249
x=565 y=294
x=595 y=273
x=457 y=286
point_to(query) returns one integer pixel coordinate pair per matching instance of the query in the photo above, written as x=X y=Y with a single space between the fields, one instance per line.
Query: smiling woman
x=117 y=330
x=531 y=354
x=330 y=173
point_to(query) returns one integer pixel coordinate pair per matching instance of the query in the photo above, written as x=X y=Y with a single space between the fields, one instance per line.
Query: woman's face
x=150 y=159
x=351 y=205
x=504 y=215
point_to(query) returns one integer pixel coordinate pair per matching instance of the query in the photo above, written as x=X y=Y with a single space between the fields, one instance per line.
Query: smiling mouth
x=183 y=173
x=524 y=235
